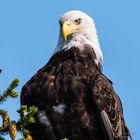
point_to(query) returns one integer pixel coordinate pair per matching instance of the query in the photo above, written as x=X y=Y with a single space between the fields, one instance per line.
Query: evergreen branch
x=12 y=127
x=27 y=115
x=10 y=91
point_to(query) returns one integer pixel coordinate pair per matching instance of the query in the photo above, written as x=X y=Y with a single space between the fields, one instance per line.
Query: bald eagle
x=75 y=99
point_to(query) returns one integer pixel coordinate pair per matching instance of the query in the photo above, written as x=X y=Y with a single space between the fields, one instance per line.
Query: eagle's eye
x=77 y=21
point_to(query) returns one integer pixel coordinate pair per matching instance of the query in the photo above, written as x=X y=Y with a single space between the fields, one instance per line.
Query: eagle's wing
x=31 y=95
x=109 y=109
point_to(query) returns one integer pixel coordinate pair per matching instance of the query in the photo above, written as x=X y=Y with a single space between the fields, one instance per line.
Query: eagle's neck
x=80 y=41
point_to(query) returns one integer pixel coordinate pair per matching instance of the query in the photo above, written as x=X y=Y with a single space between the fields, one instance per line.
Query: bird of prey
x=75 y=99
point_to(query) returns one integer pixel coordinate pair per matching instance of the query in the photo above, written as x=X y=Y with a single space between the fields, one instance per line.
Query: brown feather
x=77 y=101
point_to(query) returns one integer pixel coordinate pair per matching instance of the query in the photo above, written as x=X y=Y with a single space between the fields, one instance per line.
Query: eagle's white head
x=77 y=29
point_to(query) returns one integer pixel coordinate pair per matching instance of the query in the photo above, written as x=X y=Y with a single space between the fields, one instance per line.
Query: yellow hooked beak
x=68 y=28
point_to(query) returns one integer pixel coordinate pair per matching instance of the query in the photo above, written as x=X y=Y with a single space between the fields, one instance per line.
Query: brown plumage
x=75 y=100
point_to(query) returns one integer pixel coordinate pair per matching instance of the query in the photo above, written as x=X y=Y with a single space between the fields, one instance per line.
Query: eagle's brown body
x=75 y=100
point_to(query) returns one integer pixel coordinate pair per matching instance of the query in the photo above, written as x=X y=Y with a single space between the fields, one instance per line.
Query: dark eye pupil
x=78 y=21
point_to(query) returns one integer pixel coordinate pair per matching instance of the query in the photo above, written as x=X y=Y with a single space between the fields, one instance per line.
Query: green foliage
x=26 y=113
x=27 y=117
x=10 y=91
x=6 y=123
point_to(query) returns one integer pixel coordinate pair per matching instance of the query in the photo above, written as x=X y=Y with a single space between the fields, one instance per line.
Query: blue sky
x=29 y=32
